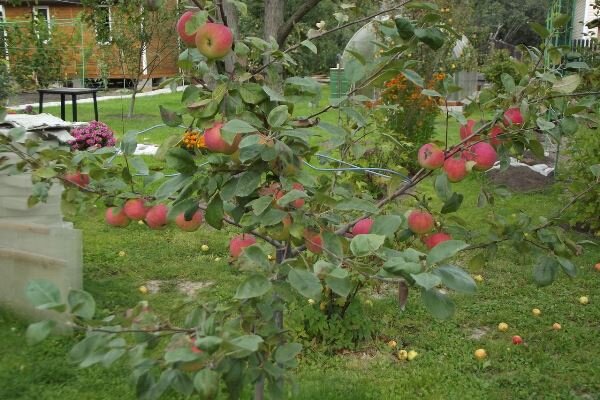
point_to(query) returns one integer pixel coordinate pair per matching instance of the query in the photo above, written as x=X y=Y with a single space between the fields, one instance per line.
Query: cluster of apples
x=475 y=154
x=213 y=40
x=422 y=223
x=155 y=217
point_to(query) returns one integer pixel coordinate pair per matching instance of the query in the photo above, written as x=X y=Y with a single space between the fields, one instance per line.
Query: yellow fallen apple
x=121 y=253
x=502 y=326
x=412 y=355
x=217 y=259
x=392 y=344
x=556 y=326
x=480 y=354
x=369 y=303
x=204 y=248
x=402 y=355
x=270 y=257
x=143 y=289
x=311 y=301
x=536 y=312
x=584 y=300
x=478 y=278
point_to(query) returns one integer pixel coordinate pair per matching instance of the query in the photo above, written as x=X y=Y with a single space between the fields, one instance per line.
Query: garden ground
x=550 y=364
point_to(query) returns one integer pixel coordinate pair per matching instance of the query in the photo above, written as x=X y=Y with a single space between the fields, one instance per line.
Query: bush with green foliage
x=499 y=63
x=582 y=169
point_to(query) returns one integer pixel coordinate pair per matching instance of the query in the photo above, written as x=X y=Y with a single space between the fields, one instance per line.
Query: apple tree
x=247 y=160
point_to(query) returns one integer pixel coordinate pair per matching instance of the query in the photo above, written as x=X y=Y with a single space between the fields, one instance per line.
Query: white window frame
x=110 y=24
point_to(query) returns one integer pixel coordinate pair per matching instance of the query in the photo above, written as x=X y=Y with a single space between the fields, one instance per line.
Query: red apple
x=483 y=154
x=78 y=179
x=189 y=225
x=420 y=221
x=430 y=156
x=313 y=241
x=513 y=116
x=455 y=168
x=215 y=143
x=239 y=243
x=135 y=209
x=517 y=339
x=156 y=217
x=188 y=40
x=493 y=136
x=214 y=40
x=433 y=240
x=362 y=227
x=467 y=130
x=597 y=267
x=116 y=217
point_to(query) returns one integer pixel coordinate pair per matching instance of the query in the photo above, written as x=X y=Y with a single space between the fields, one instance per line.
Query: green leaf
x=544 y=124
x=287 y=352
x=560 y=21
x=249 y=343
x=242 y=185
x=190 y=94
x=545 y=270
x=138 y=164
x=278 y=116
x=206 y=382
x=334 y=250
x=214 y=212
x=405 y=28
x=181 y=160
x=305 y=283
x=401 y=266
x=261 y=204
x=180 y=354
x=431 y=93
x=170 y=118
x=238 y=126
x=508 y=82
x=354 y=71
x=291 y=196
x=540 y=30
x=81 y=304
x=355 y=204
x=254 y=257
x=438 y=303
x=45 y=172
x=43 y=294
x=445 y=250
x=432 y=37
x=39 y=331
x=171 y=185
x=273 y=95
x=387 y=225
x=567 y=266
x=363 y=245
x=456 y=279
x=414 y=77
x=252 y=93
x=254 y=286
x=595 y=170
x=442 y=187
x=129 y=143
x=453 y=203
x=569 y=125
x=426 y=280
x=567 y=85
x=309 y=45
x=339 y=281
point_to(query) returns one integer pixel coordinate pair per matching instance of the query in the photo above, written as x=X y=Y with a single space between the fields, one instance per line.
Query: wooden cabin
x=88 y=52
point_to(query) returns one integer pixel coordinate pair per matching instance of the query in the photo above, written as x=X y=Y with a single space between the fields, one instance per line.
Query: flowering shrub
x=93 y=135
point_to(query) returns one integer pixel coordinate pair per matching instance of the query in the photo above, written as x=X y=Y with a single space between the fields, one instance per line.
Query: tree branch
x=284 y=30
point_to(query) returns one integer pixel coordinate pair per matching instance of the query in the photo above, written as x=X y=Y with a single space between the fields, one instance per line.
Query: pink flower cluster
x=93 y=135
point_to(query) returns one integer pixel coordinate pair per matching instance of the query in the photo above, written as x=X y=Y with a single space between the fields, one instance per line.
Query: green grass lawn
x=550 y=365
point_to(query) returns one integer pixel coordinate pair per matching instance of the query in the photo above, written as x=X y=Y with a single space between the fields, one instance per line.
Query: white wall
x=584 y=13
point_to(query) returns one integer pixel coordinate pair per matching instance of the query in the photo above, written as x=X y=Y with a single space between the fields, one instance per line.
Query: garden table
x=73 y=92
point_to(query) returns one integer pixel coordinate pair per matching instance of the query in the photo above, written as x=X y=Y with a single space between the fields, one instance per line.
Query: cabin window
x=41 y=18
x=103 y=24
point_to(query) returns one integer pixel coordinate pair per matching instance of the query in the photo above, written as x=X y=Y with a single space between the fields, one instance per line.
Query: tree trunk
x=273 y=18
x=132 y=102
x=233 y=20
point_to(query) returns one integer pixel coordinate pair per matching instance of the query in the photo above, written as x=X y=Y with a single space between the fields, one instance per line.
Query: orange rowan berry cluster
x=400 y=90
x=193 y=139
